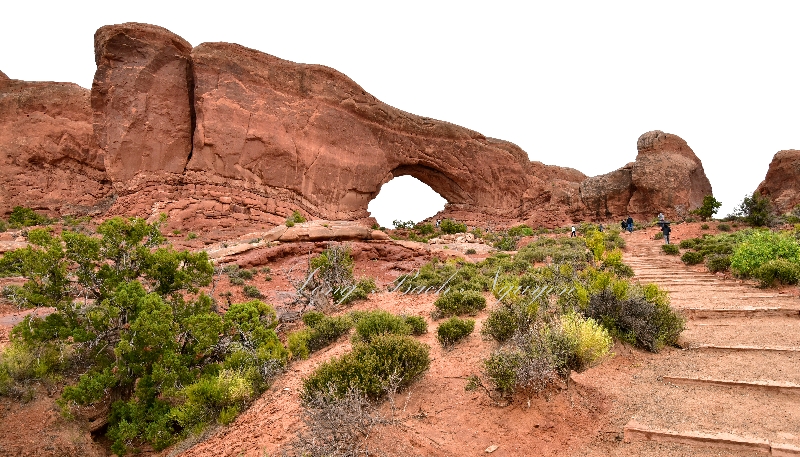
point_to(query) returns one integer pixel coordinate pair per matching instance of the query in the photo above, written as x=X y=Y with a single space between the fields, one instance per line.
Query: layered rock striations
x=49 y=159
x=222 y=135
x=782 y=182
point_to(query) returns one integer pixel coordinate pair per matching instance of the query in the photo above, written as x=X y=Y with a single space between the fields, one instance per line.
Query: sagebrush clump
x=456 y=303
x=454 y=330
x=370 y=368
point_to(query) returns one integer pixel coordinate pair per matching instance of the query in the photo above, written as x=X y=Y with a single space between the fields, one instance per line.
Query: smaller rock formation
x=667 y=177
x=48 y=155
x=782 y=182
x=141 y=97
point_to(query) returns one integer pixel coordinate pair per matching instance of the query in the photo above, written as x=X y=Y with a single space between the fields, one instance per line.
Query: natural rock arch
x=219 y=135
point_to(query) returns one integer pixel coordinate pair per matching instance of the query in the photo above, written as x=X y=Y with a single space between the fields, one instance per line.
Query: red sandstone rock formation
x=667 y=177
x=310 y=131
x=782 y=182
x=49 y=159
x=221 y=136
x=141 y=97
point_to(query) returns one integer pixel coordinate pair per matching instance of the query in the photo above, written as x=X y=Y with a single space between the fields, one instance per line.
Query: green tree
x=756 y=210
x=129 y=316
x=709 y=207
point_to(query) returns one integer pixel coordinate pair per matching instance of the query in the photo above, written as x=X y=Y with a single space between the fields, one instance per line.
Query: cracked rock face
x=49 y=159
x=782 y=183
x=141 y=97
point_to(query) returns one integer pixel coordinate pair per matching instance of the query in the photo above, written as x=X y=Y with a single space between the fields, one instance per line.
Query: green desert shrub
x=506 y=242
x=589 y=341
x=26 y=217
x=325 y=329
x=688 y=243
x=450 y=226
x=704 y=227
x=456 y=303
x=761 y=246
x=370 y=368
x=418 y=324
x=782 y=271
x=718 y=262
x=670 y=249
x=646 y=321
x=252 y=292
x=470 y=251
x=724 y=228
x=612 y=261
x=376 y=323
x=332 y=271
x=297 y=343
x=295 y=218
x=692 y=258
x=3 y=227
x=548 y=352
x=520 y=230
x=501 y=324
x=454 y=330
x=658 y=236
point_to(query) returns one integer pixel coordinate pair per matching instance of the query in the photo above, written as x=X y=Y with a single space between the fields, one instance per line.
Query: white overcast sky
x=572 y=83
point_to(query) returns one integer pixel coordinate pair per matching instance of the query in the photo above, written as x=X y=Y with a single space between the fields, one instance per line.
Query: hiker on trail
x=630 y=224
x=665 y=230
x=573 y=232
x=600 y=227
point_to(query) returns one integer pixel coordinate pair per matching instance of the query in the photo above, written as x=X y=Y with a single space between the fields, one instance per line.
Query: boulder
x=141 y=97
x=782 y=182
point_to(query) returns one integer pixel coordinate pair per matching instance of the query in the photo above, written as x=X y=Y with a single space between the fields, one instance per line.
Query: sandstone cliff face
x=48 y=155
x=141 y=99
x=221 y=136
x=782 y=182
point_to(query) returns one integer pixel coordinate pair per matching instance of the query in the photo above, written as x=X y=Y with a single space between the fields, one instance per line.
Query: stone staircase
x=735 y=388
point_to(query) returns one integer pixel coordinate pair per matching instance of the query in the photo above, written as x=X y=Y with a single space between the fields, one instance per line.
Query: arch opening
x=405 y=198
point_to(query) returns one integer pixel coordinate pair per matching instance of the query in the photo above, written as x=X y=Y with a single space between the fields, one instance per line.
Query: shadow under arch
x=440 y=182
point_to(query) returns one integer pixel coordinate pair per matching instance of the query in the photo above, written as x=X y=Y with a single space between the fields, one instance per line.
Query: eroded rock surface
x=782 y=182
x=49 y=159
x=141 y=97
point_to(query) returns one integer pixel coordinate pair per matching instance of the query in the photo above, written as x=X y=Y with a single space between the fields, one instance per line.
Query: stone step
x=748 y=312
x=763 y=413
x=783 y=387
x=741 y=348
x=741 y=366
x=635 y=431
x=767 y=331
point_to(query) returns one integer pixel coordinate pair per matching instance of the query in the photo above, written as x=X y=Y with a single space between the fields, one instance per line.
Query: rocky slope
x=220 y=135
x=782 y=183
